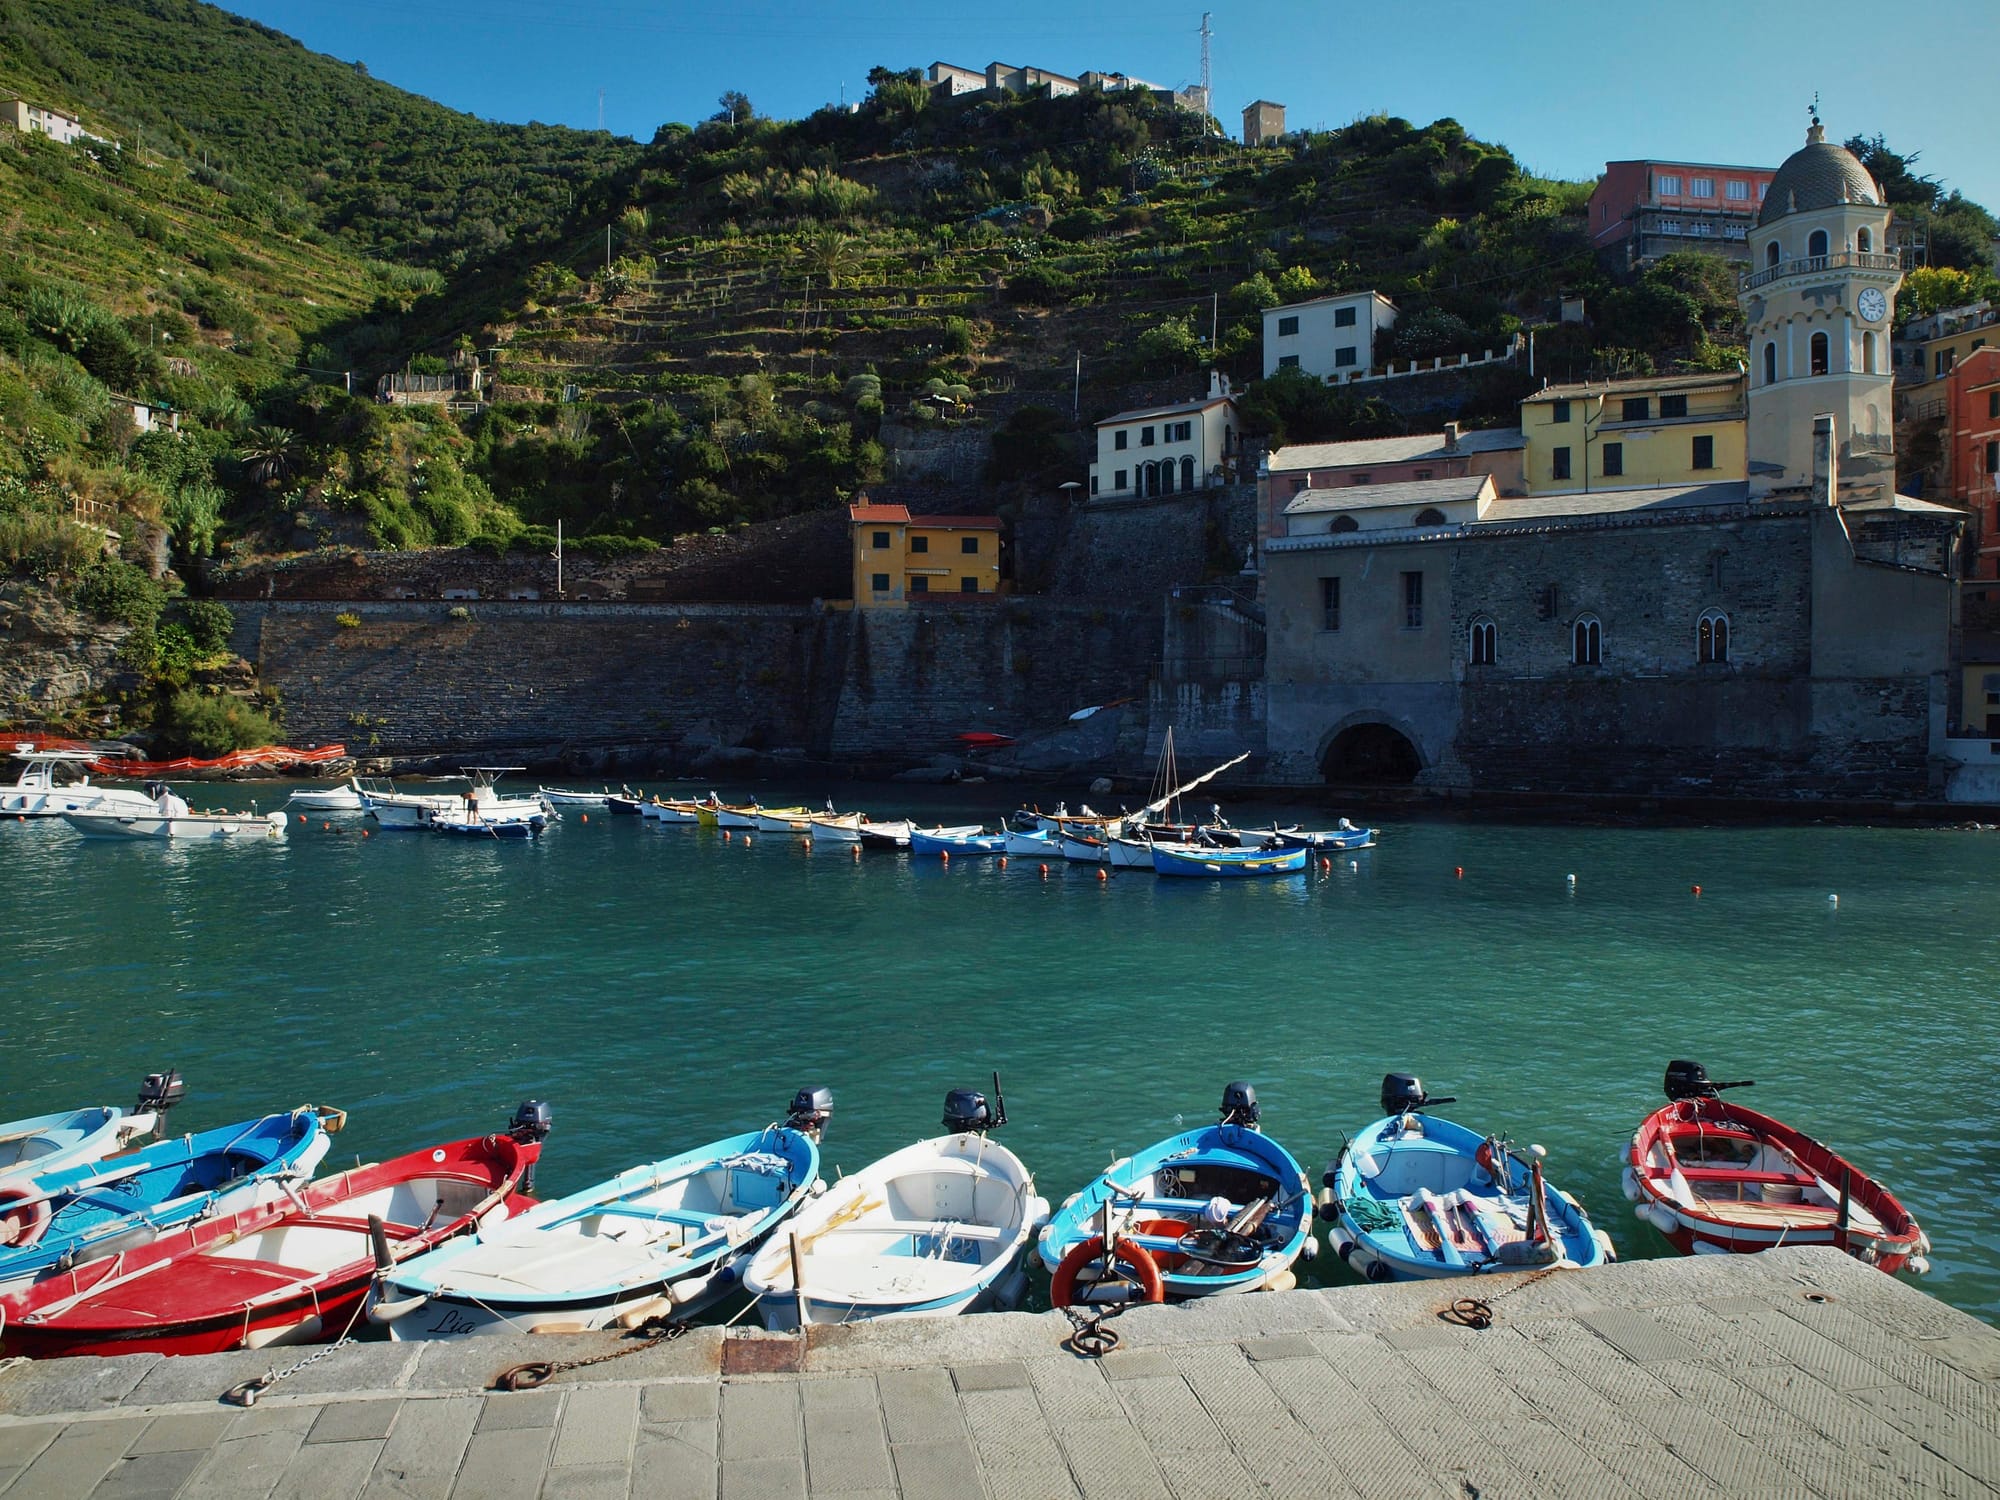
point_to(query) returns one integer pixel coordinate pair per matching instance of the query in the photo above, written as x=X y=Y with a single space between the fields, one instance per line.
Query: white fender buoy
x=1919 y=1265
x=1665 y=1219
x=1629 y=1181
x=1570 y=880
x=1833 y=899
x=1706 y=1247
x=1604 y=1243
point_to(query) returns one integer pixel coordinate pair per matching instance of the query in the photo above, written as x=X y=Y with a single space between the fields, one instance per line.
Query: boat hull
x=1227 y=864
x=242 y=828
x=53 y=1143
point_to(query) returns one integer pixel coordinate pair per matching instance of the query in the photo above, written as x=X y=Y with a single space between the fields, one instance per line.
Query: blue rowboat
x=968 y=840
x=49 y=1143
x=1212 y=1211
x=664 y=1239
x=1415 y=1197
x=58 y=1219
x=1194 y=860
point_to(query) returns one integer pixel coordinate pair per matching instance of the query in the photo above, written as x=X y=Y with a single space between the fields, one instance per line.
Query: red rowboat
x=1716 y=1177
x=296 y=1271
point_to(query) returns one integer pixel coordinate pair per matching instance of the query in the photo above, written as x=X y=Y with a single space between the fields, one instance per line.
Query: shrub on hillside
x=208 y=623
x=115 y=590
x=196 y=723
x=1041 y=285
x=608 y=545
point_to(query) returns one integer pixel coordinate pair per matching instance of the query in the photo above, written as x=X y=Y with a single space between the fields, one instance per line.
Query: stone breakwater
x=1793 y=1373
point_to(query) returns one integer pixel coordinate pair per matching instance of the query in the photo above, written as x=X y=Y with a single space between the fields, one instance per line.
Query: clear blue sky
x=1565 y=86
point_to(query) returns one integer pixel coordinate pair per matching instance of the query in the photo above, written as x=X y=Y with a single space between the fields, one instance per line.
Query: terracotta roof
x=1668 y=384
x=1404 y=492
x=1615 y=502
x=1392 y=450
x=878 y=513
x=1818 y=175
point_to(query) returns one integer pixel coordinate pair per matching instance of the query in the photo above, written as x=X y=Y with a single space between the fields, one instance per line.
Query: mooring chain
x=1477 y=1312
x=650 y=1334
x=1088 y=1335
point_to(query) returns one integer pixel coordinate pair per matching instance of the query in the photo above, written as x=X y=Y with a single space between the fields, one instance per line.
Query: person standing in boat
x=164 y=799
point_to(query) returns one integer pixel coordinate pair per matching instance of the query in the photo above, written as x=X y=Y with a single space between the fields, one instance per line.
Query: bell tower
x=1818 y=304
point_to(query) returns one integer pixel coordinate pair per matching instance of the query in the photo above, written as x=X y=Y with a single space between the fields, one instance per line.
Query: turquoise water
x=662 y=987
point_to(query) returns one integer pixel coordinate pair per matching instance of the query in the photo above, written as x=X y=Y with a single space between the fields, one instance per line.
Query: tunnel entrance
x=1370 y=755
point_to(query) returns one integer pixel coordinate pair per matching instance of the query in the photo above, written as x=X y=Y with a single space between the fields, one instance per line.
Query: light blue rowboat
x=54 y=1220
x=665 y=1239
x=1226 y=864
x=968 y=840
x=50 y=1143
x=1217 y=1210
x=1416 y=1197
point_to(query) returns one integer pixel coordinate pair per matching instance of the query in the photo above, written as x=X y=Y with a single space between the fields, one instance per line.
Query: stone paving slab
x=1796 y=1372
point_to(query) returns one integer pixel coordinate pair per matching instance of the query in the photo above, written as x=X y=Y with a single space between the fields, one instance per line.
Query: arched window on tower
x=1711 y=636
x=1480 y=642
x=1868 y=353
x=1771 y=253
x=1819 y=354
x=1863 y=240
x=1771 y=364
x=1587 y=648
x=1816 y=244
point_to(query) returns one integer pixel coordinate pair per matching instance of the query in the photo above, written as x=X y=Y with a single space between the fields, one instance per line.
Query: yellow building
x=898 y=556
x=1634 y=434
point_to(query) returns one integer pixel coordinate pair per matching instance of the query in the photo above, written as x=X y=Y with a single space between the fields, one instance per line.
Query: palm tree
x=833 y=255
x=269 y=453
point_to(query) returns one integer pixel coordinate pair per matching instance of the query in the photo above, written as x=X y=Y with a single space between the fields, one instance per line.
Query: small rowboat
x=684 y=810
x=58 y=1220
x=1415 y=1197
x=834 y=828
x=1041 y=844
x=748 y=815
x=291 y=1271
x=626 y=804
x=966 y=840
x=51 y=1143
x=1199 y=861
x=1715 y=1177
x=471 y=821
x=564 y=798
x=793 y=821
x=1208 y=1212
x=934 y=1229
x=666 y=1238
x=890 y=835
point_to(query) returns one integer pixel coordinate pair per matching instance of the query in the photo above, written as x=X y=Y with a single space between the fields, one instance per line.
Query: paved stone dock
x=1793 y=1373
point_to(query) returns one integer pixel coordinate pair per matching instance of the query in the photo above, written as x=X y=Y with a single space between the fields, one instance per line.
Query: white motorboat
x=561 y=797
x=934 y=1229
x=1041 y=844
x=41 y=792
x=413 y=811
x=402 y=810
x=169 y=817
x=328 y=799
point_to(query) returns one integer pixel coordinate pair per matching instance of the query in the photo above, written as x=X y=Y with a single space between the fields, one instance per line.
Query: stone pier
x=1793 y=1373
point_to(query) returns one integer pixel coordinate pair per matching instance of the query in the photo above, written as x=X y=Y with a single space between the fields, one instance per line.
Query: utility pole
x=607 y=248
x=559 y=577
x=1076 y=391
x=1207 y=103
x=600 y=109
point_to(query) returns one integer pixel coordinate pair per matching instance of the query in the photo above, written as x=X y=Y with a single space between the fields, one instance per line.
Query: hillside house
x=38 y=119
x=1162 y=450
x=147 y=417
x=1331 y=337
x=1925 y=349
x=1262 y=121
x=900 y=559
x=1642 y=210
x=1633 y=434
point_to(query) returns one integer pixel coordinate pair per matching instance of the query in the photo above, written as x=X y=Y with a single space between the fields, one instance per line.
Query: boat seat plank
x=1738 y=1174
x=958 y=1228
x=354 y=1226
x=694 y=1218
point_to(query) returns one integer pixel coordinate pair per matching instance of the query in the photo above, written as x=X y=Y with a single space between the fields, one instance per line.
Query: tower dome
x=1818 y=175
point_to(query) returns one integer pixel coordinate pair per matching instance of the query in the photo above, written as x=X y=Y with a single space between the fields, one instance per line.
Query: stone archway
x=1370 y=752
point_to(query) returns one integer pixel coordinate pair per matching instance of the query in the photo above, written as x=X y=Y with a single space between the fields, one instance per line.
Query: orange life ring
x=1062 y=1286
x=24 y=1216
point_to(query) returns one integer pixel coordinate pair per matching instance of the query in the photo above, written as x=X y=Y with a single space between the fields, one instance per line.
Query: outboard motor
x=160 y=1092
x=1239 y=1105
x=966 y=1111
x=1403 y=1094
x=530 y=1126
x=1687 y=1079
x=811 y=1109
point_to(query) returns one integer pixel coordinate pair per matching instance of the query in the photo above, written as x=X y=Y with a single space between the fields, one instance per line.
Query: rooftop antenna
x=1812 y=111
x=600 y=109
x=1207 y=32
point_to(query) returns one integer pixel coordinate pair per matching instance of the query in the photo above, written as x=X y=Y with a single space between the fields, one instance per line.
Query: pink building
x=1642 y=210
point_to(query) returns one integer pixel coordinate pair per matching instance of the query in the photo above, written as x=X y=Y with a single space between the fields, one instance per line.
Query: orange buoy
x=586 y=817
x=1045 y=872
x=809 y=845
x=1101 y=875
x=1003 y=861
x=1694 y=890
x=326 y=825
x=945 y=855
x=1326 y=864
x=746 y=841
x=856 y=851
x=725 y=835
x=1458 y=871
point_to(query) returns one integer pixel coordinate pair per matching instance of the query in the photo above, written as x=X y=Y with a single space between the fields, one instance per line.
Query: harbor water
x=662 y=987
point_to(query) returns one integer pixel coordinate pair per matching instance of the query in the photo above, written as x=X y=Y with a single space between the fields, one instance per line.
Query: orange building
x=900 y=558
x=1972 y=454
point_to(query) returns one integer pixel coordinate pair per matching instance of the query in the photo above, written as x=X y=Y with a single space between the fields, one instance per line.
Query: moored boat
x=934 y=1229
x=968 y=839
x=1040 y=844
x=834 y=828
x=1415 y=1196
x=345 y=798
x=296 y=1269
x=41 y=792
x=562 y=797
x=685 y=810
x=894 y=834
x=53 y=1142
x=1212 y=1211
x=793 y=822
x=1715 y=1177
x=172 y=818
x=663 y=1239
x=57 y=1220
x=1202 y=862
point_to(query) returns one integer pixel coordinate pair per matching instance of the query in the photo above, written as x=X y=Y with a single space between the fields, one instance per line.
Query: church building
x=1769 y=618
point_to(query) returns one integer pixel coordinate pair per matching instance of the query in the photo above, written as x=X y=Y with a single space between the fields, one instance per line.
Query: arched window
x=1430 y=515
x=1772 y=253
x=1344 y=523
x=1587 y=648
x=1819 y=354
x=1479 y=643
x=1816 y=244
x=1166 y=476
x=1868 y=353
x=1711 y=636
x=1771 y=364
x=1187 y=473
x=1863 y=241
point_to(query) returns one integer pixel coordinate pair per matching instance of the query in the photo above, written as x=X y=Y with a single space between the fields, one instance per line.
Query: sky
x=1565 y=86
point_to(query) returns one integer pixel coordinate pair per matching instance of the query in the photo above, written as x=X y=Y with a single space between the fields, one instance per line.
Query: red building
x=1642 y=210
x=1972 y=454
